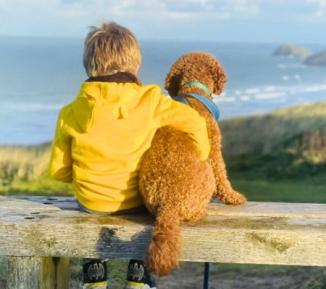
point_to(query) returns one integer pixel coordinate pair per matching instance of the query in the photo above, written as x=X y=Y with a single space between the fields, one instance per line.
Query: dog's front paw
x=235 y=198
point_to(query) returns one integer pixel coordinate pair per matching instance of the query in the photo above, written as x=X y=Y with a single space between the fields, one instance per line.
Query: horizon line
x=163 y=39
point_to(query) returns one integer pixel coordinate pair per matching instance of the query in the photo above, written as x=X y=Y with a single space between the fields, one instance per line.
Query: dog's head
x=195 y=67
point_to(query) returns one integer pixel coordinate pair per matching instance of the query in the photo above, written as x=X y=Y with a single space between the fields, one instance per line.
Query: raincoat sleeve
x=61 y=161
x=186 y=119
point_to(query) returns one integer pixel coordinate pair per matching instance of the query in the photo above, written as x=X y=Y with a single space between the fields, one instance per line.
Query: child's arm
x=61 y=161
x=186 y=119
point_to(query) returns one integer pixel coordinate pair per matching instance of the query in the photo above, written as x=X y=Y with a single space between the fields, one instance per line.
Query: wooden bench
x=40 y=234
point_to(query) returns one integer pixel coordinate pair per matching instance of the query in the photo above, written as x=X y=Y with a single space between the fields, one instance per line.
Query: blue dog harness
x=209 y=104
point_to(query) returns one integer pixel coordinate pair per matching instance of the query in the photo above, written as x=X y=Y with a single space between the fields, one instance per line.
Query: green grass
x=307 y=190
x=23 y=164
x=43 y=186
x=23 y=171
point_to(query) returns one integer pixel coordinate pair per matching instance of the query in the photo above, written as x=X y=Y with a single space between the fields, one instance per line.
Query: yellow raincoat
x=102 y=135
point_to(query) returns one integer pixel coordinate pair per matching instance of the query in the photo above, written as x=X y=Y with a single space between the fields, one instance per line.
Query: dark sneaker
x=95 y=275
x=138 y=276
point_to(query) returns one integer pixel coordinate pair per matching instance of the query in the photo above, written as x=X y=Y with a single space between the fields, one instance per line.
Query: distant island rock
x=291 y=50
x=318 y=59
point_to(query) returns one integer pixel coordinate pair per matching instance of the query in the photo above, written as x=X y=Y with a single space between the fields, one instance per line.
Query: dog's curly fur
x=176 y=186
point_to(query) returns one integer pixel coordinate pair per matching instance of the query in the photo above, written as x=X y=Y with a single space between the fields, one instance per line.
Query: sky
x=297 y=21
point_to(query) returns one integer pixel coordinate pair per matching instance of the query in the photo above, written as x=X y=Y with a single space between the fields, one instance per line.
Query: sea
x=40 y=75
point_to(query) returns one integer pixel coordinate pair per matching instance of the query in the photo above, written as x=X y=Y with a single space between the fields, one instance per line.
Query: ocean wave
x=291 y=77
x=269 y=88
x=274 y=93
x=297 y=76
x=315 y=88
x=270 y=95
x=291 y=66
x=245 y=98
x=252 y=90
x=227 y=99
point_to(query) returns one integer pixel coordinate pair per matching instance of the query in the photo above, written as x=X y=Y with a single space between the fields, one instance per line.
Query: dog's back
x=172 y=174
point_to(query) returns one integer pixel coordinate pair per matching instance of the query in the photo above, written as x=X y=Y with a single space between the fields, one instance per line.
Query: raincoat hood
x=100 y=100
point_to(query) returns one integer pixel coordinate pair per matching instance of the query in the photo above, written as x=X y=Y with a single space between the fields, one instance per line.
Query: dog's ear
x=219 y=77
x=172 y=83
x=175 y=76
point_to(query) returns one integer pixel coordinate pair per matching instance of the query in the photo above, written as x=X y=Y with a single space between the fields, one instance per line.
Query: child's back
x=103 y=134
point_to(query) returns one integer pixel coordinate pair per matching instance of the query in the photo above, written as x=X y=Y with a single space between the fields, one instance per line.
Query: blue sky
x=300 y=21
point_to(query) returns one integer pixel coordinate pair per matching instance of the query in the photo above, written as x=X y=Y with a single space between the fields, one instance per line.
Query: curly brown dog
x=175 y=184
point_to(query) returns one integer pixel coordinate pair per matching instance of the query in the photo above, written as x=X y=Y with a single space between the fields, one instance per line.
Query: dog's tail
x=165 y=247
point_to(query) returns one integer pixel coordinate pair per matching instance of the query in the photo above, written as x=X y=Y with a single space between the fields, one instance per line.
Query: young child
x=103 y=133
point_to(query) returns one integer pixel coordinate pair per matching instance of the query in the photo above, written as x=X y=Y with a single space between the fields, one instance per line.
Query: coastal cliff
x=318 y=59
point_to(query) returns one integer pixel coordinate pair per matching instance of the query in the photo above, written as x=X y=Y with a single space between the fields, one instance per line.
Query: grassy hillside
x=287 y=143
x=279 y=156
x=262 y=134
x=23 y=170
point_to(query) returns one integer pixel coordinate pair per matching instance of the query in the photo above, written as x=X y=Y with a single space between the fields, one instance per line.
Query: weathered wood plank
x=64 y=203
x=271 y=209
x=38 y=273
x=258 y=233
x=13 y=206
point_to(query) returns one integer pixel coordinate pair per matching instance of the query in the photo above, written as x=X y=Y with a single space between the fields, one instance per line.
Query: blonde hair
x=109 y=49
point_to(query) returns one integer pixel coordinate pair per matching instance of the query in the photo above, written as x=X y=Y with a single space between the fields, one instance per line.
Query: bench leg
x=38 y=273
x=206 y=275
